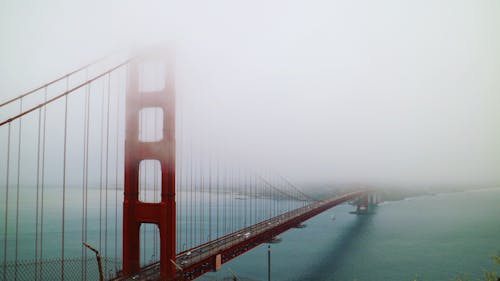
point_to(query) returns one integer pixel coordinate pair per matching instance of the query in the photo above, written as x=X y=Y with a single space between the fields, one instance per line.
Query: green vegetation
x=487 y=275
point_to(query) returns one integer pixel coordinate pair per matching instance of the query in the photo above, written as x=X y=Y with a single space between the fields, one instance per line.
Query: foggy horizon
x=261 y=140
x=382 y=93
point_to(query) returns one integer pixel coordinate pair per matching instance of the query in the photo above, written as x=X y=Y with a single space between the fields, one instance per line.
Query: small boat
x=333 y=217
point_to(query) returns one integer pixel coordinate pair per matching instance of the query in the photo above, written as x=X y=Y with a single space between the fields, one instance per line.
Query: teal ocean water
x=430 y=237
x=32 y=250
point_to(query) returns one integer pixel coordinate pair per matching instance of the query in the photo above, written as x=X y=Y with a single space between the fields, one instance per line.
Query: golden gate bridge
x=93 y=160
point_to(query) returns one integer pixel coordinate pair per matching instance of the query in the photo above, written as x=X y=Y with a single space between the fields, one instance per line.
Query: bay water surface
x=437 y=237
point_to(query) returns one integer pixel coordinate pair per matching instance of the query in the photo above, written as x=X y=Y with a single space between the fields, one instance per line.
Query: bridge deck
x=202 y=259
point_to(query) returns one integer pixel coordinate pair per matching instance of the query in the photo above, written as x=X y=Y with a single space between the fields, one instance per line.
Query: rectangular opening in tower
x=150 y=244
x=150 y=181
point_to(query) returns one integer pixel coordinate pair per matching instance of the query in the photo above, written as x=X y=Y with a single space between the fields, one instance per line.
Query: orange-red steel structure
x=135 y=212
x=276 y=211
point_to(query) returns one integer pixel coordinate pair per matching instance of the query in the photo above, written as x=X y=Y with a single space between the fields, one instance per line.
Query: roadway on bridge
x=201 y=259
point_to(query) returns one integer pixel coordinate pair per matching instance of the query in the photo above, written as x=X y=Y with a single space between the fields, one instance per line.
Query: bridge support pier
x=136 y=212
x=362 y=205
x=366 y=203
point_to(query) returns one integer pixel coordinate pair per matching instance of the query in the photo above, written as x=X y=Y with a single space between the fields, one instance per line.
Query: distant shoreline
x=399 y=195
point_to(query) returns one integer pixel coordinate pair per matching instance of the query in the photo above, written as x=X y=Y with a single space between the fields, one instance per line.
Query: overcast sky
x=375 y=92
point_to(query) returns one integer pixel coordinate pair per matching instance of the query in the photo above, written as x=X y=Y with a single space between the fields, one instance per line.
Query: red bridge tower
x=136 y=212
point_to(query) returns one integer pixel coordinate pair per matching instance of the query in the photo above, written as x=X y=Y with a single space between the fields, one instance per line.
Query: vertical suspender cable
x=101 y=146
x=237 y=209
x=86 y=187
x=240 y=185
x=271 y=197
x=85 y=178
x=37 y=190
x=283 y=200
x=277 y=202
x=264 y=202
x=210 y=197
x=232 y=198
x=179 y=185
x=18 y=179
x=285 y=204
x=201 y=200
x=6 y=205
x=217 y=186
x=258 y=200
x=230 y=180
x=279 y=199
x=183 y=185
x=187 y=205
x=273 y=202
x=255 y=198
x=191 y=227
x=226 y=199
x=43 y=186
x=245 y=186
x=245 y=194
x=193 y=201
x=117 y=126
x=260 y=194
x=234 y=211
x=252 y=199
x=237 y=202
x=269 y=200
x=82 y=250
x=195 y=232
x=178 y=182
x=258 y=190
x=186 y=195
x=107 y=175
x=265 y=198
x=64 y=181
x=198 y=200
x=224 y=203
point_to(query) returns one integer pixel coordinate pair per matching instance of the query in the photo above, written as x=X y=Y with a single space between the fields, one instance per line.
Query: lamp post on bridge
x=268 y=262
